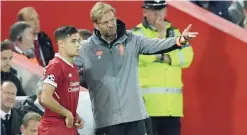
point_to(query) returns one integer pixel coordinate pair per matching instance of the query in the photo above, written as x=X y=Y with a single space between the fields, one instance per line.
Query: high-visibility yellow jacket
x=161 y=83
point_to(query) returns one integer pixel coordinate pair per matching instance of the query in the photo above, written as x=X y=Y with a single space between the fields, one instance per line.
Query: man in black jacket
x=8 y=73
x=33 y=103
x=43 y=48
x=11 y=118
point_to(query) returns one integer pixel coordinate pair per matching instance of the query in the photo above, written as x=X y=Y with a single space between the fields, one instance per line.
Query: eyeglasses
x=113 y=20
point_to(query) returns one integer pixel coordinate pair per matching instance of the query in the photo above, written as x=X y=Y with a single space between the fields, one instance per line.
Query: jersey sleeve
x=53 y=74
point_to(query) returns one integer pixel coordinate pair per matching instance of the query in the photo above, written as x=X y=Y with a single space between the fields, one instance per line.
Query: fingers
x=193 y=33
x=190 y=34
x=69 y=122
x=79 y=125
x=188 y=28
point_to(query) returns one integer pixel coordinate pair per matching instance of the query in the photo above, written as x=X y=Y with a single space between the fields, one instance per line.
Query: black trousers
x=148 y=124
x=130 y=128
x=166 y=125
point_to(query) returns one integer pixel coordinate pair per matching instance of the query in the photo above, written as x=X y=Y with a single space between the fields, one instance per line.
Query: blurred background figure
x=84 y=34
x=30 y=123
x=7 y=72
x=42 y=45
x=229 y=10
x=11 y=118
x=33 y=103
x=21 y=36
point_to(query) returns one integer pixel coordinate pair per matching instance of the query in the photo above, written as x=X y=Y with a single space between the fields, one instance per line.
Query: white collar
x=36 y=102
x=4 y=113
x=152 y=27
x=36 y=37
x=62 y=58
x=18 y=49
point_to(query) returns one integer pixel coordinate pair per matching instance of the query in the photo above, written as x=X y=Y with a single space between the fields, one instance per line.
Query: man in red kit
x=61 y=86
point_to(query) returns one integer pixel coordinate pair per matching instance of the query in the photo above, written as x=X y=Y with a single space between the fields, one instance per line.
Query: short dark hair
x=17 y=29
x=30 y=116
x=85 y=33
x=64 y=31
x=6 y=45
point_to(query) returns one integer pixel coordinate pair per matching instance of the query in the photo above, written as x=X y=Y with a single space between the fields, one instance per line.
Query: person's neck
x=5 y=71
x=6 y=110
x=18 y=45
x=68 y=58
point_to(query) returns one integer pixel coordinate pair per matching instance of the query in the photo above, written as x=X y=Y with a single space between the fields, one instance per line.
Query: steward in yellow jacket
x=160 y=75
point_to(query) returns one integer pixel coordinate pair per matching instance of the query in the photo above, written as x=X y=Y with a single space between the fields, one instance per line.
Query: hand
x=79 y=123
x=160 y=25
x=167 y=59
x=187 y=35
x=69 y=120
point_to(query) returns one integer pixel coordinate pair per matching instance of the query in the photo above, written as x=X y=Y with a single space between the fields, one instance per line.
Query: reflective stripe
x=161 y=90
x=181 y=57
x=155 y=4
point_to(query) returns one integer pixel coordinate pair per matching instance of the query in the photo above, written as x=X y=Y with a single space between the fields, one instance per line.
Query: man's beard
x=109 y=35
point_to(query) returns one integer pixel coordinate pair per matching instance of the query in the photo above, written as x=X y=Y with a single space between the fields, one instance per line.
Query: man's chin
x=5 y=70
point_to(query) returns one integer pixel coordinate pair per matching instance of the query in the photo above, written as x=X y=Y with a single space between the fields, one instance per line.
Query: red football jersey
x=64 y=77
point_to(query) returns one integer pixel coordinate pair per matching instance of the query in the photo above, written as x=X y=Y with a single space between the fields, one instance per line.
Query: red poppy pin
x=121 y=49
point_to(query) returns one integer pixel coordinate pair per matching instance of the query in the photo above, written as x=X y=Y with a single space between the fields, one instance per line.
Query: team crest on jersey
x=121 y=49
x=99 y=53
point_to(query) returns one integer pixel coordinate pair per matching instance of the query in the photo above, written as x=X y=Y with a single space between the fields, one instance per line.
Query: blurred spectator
x=7 y=72
x=229 y=10
x=21 y=34
x=30 y=123
x=84 y=34
x=33 y=103
x=245 y=12
x=11 y=118
x=236 y=14
x=43 y=48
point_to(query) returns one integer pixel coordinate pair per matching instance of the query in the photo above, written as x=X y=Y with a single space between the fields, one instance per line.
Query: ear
x=22 y=128
x=96 y=26
x=60 y=43
x=19 y=39
x=145 y=12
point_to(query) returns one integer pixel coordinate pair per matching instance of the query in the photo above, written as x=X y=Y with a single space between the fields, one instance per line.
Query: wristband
x=178 y=41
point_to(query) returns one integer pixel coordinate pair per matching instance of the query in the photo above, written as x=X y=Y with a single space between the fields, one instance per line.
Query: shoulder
x=86 y=42
x=136 y=28
x=54 y=64
x=131 y=35
x=17 y=112
x=42 y=34
x=13 y=70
